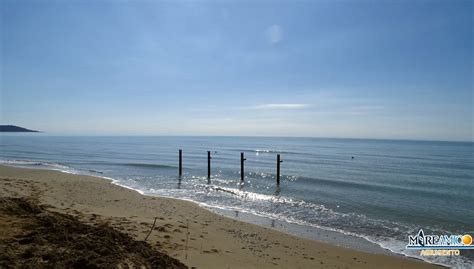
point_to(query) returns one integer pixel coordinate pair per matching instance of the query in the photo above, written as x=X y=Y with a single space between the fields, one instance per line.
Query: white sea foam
x=39 y=165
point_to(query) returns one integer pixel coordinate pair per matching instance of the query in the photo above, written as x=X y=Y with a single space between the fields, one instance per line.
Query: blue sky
x=364 y=69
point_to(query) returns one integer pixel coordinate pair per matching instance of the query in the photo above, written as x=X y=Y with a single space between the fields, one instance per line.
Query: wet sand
x=184 y=230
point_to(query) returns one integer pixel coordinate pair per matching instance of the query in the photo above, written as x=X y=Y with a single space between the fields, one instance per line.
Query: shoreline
x=222 y=241
x=333 y=237
x=303 y=231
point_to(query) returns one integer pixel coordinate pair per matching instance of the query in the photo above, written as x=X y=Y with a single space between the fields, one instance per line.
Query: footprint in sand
x=161 y=229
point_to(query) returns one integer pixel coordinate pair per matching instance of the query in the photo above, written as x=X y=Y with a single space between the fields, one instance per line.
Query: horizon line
x=249 y=136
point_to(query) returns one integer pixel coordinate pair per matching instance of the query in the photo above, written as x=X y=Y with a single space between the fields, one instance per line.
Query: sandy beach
x=213 y=241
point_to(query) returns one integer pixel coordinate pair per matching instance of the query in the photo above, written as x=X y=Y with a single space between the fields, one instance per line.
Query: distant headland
x=13 y=128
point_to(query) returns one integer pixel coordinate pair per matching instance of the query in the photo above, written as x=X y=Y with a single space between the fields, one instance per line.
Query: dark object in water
x=278 y=169
x=180 y=170
x=242 y=159
x=209 y=165
x=352 y=157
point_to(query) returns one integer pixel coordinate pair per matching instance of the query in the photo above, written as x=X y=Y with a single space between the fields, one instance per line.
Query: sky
x=361 y=69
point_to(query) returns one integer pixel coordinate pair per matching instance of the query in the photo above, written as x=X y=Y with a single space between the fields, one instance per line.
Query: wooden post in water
x=242 y=159
x=278 y=169
x=180 y=163
x=208 y=165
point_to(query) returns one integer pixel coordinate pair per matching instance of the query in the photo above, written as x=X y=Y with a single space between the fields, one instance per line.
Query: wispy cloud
x=274 y=34
x=364 y=110
x=281 y=106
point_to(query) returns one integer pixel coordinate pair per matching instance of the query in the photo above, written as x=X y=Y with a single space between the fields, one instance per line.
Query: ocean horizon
x=378 y=191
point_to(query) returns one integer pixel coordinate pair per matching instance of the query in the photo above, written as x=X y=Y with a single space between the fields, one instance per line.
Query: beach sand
x=213 y=241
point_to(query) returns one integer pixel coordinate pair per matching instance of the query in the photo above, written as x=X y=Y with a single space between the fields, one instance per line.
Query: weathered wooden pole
x=180 y=162
x=242 y=159
x=208 y=165
x=278 y=169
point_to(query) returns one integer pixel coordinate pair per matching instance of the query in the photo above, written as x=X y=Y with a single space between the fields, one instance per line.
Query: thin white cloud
x=364 y=110
x=281 y=106
x=274 y=34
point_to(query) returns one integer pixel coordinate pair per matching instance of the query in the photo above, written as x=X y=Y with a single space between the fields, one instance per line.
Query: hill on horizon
x=13 y=128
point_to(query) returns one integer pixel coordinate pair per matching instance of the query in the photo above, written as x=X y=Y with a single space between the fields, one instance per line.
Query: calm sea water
x=390 y=189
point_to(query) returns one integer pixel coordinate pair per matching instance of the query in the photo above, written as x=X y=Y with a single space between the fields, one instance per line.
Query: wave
x=388 y=238
x=51 y=166
x=274 y=199
x=263 y=175
x=259 y=151
x=149 y=165
x=392 y=245
x=269 y=151
x=38 y=164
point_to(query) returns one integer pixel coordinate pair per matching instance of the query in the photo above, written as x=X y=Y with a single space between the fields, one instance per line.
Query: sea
x=359 y=193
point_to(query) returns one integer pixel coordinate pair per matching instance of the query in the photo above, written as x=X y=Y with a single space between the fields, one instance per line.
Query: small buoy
x=352 y=157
